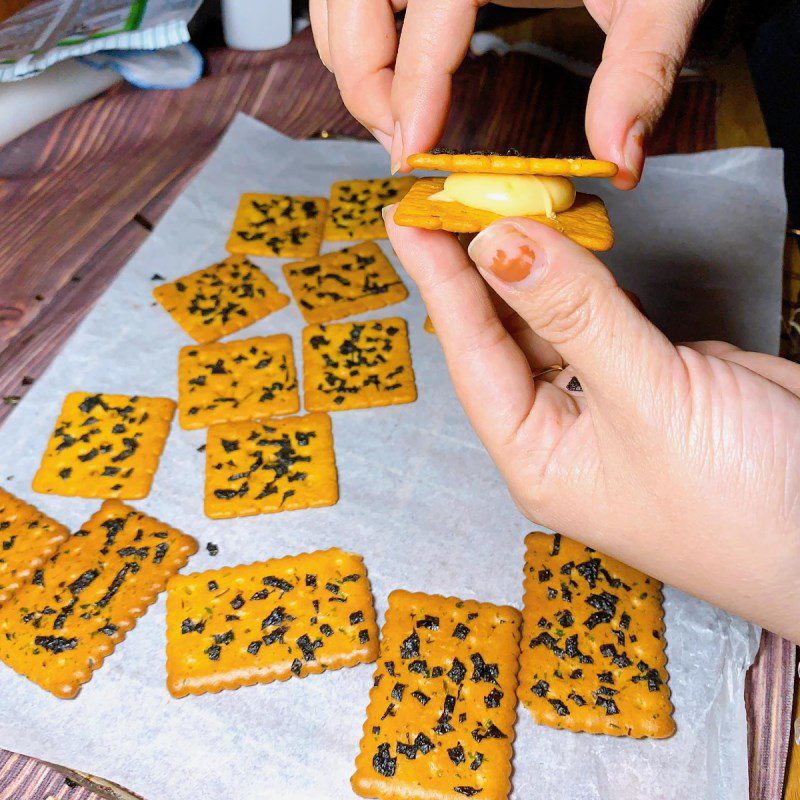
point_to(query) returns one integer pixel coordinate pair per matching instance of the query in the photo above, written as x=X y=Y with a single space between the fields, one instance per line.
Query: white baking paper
x=420 y=499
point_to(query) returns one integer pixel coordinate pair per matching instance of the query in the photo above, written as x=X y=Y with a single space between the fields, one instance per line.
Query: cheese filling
x=509 y=195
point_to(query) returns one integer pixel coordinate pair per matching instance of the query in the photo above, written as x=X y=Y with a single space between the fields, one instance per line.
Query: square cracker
x=268 y=621
x=105 y=445
x=27 y=539
x=233 y=381
x=355 y=207
x=593 y=655
x=57 y=629
x=586 y=222
x=441 y=714
x=346 y=282
x=511 y=163
x=261 y=467
x=357 y=365
x=220 y=299
x=278 y=225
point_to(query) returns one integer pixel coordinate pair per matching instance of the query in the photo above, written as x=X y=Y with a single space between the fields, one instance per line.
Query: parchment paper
x=420 y=499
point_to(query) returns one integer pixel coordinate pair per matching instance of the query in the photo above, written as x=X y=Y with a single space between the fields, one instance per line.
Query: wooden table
x=80 y=193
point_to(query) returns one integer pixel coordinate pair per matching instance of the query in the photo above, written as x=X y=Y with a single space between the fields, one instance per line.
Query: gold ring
x=545 y=370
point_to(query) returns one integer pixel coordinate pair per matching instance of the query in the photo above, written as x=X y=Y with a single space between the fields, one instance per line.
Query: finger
x=436 y=35
x=778 y=370
x=646 y=43
x=363 y=45
x=318 y=14
x=711 y=347
x=489 y=371
x=570 y=299
x=540 y=354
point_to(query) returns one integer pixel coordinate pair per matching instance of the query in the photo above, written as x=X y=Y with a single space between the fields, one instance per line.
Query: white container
x=257 y=24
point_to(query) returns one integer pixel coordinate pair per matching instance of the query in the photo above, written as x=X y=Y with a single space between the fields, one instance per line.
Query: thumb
x=571 y=300
x=646 y=43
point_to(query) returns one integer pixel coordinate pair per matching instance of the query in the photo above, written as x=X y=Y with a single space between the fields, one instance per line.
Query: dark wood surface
x=81 y=192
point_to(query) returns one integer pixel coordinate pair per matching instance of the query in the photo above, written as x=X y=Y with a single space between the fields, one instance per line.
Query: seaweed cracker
x=345 y=282
x=233 y=381
x=27 y=539
x=485 y=187
x=57 y=629
x=355 y=207
x=441 y=714
x=220 y=299
x=268 y=621
x=261 y=467
x=105 y=445
x=278 y=225
x=357 y=365
x=593 y=647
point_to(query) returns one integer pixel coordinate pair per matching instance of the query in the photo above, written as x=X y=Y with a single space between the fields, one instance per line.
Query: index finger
x=362 y=39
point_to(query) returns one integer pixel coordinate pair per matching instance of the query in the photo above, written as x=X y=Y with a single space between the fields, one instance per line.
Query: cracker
x=27 y=539
x=105 y=445
x=593 y=655
x=278 y=225
x=346 y=282
x=261 y=467
x=220 y=299
x=57 y=629
x=512 y=163
x=428 y=326
x=268 y=621
x=233 y=381
x=355 y=207
x=586 y=222
x=357 y=365
x=441 y=714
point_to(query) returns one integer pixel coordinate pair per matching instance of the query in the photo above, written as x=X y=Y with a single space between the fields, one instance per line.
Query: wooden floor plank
x=28 y=353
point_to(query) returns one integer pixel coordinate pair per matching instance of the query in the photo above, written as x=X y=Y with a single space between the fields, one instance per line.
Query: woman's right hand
x=683 y=461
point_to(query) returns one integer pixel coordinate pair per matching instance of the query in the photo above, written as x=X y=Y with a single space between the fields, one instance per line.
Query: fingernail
x=386 y=210
x=397 y=149
x=633 y=151
x=506 y=252
x=385 y=139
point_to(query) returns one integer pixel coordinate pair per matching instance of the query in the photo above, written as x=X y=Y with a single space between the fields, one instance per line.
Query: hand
x=683 y=461
x=401 y=90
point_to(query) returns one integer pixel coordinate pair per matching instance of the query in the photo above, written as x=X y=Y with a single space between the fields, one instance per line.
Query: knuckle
x=565 y=313
x=657 y=69
x=654 y=70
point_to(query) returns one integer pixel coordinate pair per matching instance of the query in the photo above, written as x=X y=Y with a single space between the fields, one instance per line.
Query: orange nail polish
x=504 y=251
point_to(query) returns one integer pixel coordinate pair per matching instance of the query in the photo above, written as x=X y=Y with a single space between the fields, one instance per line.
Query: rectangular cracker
x=278 y=225
x=346 y=282
x=441 y=714
x=27 y=539
x=593 y=651
x=58 y=628
x=586 y=222
x=355 y=207
x=261 y=467
x=105 y=445
x=233 y=381
x=357 y=365
x=220 y=299
x=268 y=621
